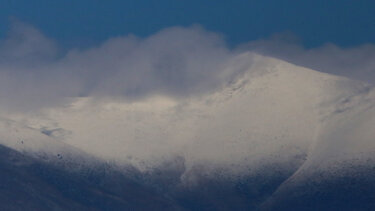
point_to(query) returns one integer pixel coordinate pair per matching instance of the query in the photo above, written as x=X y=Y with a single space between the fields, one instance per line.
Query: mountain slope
x=339 y=172
x=273 y=135
x=28 y=183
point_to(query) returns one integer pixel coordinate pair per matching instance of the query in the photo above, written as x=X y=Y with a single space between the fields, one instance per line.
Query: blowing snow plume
x=182 y=109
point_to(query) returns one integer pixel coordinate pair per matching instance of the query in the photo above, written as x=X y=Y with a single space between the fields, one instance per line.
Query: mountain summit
x=271 y=136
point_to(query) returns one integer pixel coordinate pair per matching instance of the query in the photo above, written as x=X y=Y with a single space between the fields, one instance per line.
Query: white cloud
x=25 y=45
x=175 y=61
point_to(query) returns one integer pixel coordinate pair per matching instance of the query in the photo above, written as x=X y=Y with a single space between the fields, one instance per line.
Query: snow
x=271 y=112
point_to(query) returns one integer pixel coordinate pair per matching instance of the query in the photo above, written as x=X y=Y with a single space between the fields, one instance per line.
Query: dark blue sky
x=81 y=23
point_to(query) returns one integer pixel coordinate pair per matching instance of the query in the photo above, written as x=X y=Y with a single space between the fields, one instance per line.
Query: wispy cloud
x=175 y=61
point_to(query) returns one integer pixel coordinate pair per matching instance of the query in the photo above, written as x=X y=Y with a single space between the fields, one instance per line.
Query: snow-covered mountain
x=273 y=129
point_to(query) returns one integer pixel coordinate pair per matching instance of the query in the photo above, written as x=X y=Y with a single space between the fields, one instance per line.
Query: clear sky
x=81 y=23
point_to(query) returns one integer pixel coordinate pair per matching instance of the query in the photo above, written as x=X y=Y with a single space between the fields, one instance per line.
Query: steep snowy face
x=345 y=141
x=348 y=132
x=270 y=113
x=339 y=171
